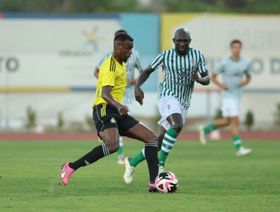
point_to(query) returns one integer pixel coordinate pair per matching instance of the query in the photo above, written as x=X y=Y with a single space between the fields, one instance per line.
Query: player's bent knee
x=112 y=146
x=149 y=137
x=154 y=138
x=177 y=127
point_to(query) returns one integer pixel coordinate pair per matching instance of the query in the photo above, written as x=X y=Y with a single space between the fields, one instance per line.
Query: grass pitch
x=211 y=178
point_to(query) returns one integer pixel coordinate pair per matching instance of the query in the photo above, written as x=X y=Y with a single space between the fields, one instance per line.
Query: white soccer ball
x=166 y=182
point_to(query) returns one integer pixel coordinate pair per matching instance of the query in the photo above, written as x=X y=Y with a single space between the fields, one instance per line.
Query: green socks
x=236 y=141
x=209 y=128
x=168 y=142
x=137 y=159
x=235 y=138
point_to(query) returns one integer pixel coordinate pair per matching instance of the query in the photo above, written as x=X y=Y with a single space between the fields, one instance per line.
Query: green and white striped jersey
x=177 y=71
x=233 y=73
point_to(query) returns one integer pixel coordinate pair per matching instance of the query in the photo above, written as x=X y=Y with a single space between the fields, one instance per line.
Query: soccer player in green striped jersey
x=182 y=67
x=236 y=74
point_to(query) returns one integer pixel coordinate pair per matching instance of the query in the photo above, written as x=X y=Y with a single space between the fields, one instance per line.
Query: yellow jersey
x=111 y=73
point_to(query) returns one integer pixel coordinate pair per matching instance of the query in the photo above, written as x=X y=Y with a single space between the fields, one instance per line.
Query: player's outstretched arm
x=139 y=94
x=246 y=81
x=106 y=94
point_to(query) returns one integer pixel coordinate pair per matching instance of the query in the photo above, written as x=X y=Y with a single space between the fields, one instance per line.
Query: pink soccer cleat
x=65 y=173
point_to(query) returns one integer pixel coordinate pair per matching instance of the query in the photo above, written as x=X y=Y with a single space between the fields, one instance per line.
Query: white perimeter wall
x=75 y=106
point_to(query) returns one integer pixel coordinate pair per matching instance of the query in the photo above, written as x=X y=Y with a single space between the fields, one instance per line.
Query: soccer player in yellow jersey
x=110 y=115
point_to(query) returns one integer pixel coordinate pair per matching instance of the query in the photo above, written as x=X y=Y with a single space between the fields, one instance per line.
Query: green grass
x=211 y=178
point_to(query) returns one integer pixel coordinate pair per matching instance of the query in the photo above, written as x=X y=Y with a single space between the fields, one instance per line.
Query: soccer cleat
x=65 y=173
x=243 y=151
x=202 y=137
x=160 y=169
x=152 y=188
x=121 y=160
x=129 y=170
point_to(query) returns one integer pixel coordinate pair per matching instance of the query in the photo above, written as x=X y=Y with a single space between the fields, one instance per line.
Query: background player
x=110 y=115
x=132 y=63
x=234 y=69
x=182 y=66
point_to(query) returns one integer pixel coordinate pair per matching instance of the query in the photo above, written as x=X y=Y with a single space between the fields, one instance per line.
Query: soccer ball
x=166 y=182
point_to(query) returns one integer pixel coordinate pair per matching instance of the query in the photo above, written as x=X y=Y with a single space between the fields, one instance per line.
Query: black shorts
x=106 y=116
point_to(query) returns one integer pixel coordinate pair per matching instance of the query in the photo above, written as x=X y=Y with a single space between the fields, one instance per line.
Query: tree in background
x=90 y=123
x=218 y=114
x=60 y=121
x=236 y=3
x=31 y=118
x=277 y=114
x=105 y=6
x=67 y=6
x=249 y=120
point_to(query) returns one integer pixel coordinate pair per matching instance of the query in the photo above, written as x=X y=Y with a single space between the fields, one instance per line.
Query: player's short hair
x=120 y=31
x=235 y=41
x=122 y=38
x=183 y=31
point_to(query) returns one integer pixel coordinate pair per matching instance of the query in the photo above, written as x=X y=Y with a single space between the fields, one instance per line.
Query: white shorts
x=230 y=107
x=168 y=105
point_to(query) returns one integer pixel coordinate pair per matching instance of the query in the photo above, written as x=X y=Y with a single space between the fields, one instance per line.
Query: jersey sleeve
x=103 y=58
x=157 y=62
x=202 y=65
x=219 y=68
x=108 y=73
